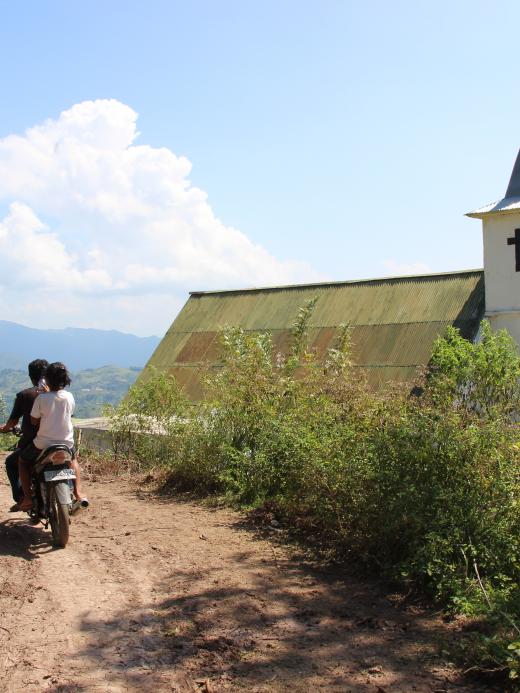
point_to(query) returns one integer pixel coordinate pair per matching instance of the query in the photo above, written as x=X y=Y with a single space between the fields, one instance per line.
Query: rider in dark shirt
x=22 y=406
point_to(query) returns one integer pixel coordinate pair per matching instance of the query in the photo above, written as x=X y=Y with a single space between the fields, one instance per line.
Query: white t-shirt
x=54 y=409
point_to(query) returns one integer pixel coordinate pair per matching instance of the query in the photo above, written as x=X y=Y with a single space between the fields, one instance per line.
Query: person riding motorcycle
x=51 y=413
x=22 y=406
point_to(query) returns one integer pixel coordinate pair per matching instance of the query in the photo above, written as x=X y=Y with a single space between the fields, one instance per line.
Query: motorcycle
x=52 y=499
x=52 y=484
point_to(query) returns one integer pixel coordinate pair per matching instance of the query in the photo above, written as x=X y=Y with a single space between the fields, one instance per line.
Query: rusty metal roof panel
x=395 y=320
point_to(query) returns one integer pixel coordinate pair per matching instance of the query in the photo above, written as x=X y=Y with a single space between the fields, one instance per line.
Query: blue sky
x=346 y=139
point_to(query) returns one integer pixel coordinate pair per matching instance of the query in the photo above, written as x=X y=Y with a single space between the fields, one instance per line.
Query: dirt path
x=169 y=596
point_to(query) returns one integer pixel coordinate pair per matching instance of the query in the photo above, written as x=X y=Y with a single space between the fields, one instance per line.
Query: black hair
x=37 y=370
x=57 y=376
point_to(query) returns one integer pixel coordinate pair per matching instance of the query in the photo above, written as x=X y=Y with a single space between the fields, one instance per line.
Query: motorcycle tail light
x=59 y=457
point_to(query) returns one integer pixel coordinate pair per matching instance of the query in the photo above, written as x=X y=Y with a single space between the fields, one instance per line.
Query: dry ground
x=162 y=595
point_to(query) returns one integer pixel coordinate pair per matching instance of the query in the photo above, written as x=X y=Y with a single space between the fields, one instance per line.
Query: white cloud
x=399 y=269
x=103 y=232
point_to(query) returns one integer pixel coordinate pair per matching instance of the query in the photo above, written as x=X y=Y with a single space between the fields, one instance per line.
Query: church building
x=394 y=320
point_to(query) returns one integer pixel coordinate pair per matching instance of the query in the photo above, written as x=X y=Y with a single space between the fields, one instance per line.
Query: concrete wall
x=93 y=434
x=501 y=278
x=509 y=322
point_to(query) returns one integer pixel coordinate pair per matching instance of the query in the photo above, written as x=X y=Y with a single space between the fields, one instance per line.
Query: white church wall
x=507 y=321
x=500 y=271
x=501 y=237
x=502 y=279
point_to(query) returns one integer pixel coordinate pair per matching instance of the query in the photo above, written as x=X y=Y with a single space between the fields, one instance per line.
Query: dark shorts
x=31 y=453
x=11 y=467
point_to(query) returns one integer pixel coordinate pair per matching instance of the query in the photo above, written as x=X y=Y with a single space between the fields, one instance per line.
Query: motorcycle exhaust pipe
x=79 y=505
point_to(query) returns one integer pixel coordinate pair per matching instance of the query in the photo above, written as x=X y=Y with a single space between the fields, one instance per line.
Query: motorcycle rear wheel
x=59 y=519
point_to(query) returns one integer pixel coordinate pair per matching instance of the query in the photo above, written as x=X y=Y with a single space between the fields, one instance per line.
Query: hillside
x=79 y=348
x=92 y=388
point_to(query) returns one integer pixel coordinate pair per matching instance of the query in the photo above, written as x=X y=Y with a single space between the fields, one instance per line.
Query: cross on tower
x=516 y=242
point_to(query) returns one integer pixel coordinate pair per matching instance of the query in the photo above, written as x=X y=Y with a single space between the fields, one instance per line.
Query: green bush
x=6 y=441
x=148 y=422
x=420 y=489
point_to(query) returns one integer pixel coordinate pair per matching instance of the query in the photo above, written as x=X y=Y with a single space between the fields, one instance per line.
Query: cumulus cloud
x=98 y=227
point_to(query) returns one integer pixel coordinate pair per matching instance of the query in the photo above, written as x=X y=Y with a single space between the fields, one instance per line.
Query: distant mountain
x=78 y=348
x=92 y=388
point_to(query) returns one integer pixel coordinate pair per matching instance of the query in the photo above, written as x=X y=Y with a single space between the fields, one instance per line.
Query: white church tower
x=501 y=235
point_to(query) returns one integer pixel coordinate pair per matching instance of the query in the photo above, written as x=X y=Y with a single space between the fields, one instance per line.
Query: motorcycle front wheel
x=58 y=518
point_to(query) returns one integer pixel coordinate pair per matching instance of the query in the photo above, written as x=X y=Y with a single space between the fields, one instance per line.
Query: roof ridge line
x=347 y=282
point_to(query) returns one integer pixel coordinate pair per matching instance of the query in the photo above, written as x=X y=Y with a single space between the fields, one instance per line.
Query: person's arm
x=9 y=425
x=15 y=415
x=35 y=413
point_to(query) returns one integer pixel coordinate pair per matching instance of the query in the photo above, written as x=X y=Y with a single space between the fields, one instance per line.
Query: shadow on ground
x=21 y=539
x=288 y=628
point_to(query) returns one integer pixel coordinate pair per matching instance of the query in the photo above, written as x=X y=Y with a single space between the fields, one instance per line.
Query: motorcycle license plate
x=59 y=474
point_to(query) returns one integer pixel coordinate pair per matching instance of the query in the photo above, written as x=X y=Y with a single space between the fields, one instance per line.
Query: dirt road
x=155 y=595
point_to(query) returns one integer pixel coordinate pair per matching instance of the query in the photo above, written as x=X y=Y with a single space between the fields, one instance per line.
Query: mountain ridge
x=79 y=348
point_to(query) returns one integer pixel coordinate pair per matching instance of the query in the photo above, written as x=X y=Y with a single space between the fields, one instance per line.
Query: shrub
x=424 y=490
x=148 y=421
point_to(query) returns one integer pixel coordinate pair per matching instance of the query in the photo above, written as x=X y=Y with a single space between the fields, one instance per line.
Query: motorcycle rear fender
x=46 y=456
x=62 y=490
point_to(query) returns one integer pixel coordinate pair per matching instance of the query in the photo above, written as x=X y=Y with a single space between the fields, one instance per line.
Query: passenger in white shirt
x=52 y=411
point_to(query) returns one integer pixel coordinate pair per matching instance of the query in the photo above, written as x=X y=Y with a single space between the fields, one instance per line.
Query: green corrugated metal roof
x=395 y=321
